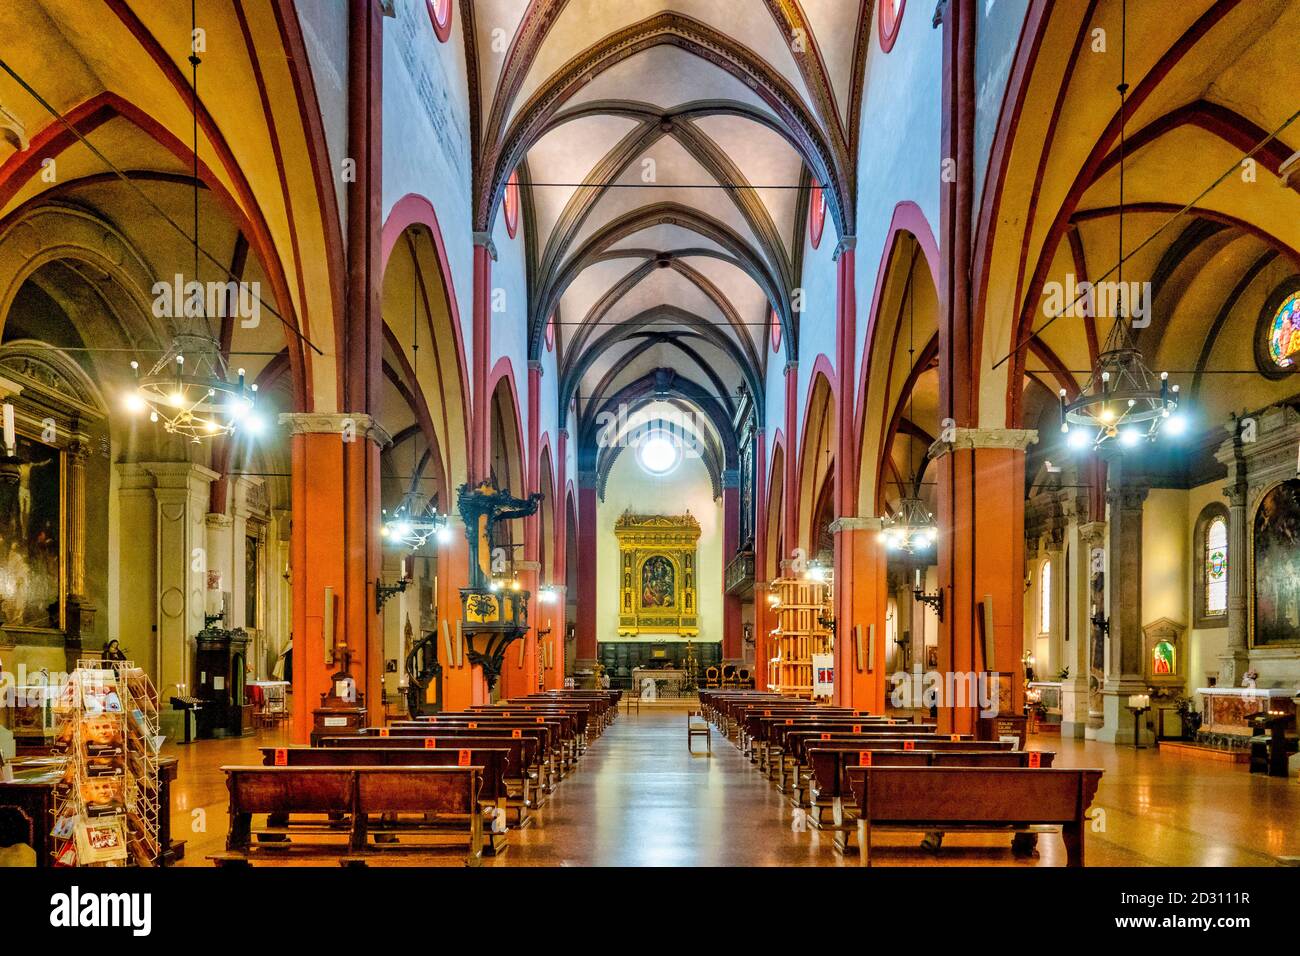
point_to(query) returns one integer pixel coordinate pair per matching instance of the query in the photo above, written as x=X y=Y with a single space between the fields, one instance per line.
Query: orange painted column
x=335 y=545
x=981 y=491
x=587 y=574
x=861 y=598
x=761 y=572
x=459 y=679
x=554 y=616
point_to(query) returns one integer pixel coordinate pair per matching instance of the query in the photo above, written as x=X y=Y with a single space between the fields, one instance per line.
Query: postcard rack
x=106 y=810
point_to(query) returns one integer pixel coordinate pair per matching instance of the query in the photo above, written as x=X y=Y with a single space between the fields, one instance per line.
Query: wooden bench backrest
x=275 y=789
x=419 y=789
x=496 y=763
x=972 y=794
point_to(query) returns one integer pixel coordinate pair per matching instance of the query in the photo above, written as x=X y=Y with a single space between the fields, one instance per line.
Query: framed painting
x=32 y=522
x=1275 y=567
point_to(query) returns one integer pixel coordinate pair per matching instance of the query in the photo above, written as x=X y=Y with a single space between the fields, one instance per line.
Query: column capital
x=856 y=523
x=1093 y=533
x=325 y=423
x=534 y=365
x=172 y=474
x=587 y=478
x=963 y=439
x=528 y=566
x=847 y=244
x=791 y=365
x=215 y=519
x=484 y=239
x=731 y=478
x=1128 y=496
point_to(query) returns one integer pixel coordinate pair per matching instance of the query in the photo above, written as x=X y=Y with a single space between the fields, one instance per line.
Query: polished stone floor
x=639 y=798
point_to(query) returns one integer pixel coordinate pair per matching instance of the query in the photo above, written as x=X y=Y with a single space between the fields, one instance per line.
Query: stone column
x=1077 y=714
x=80 y=622
x=1236 y=659
x=163 y=591
x=1124 y=672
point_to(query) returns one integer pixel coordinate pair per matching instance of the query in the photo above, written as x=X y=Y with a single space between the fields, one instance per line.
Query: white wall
x=687 y=489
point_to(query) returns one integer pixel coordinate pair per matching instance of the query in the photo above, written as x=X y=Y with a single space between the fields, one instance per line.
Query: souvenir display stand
x=106 y=808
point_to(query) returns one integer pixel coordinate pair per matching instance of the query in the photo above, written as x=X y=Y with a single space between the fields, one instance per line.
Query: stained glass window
x=1284 y=332
x=1045 y=599
x=816 y=215
x=1216 y=567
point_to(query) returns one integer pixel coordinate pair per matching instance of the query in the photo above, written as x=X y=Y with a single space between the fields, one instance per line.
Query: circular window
x=511 y=204
x=659 y=453
x=440 y=14
x=550 y=334
x=816 y=215
x=776 y=332
x=891 y=15
x=1277 y=342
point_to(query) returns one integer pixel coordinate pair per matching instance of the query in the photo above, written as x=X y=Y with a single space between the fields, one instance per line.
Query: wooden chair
x=711 y=677
x=729 y=676
x=744 y=678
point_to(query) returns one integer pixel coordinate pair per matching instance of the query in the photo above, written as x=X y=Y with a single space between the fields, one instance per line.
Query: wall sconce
x=933 y=601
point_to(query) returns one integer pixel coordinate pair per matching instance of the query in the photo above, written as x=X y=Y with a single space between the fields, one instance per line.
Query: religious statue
x=482 y=508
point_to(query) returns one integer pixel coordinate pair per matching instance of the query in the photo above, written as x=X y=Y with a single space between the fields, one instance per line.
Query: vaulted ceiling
x=667 y=155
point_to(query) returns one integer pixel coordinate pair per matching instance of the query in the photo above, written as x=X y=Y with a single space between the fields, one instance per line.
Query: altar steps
x=1187 y=748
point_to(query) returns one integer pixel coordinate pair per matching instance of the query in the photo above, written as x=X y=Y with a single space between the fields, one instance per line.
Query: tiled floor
x=639 y=798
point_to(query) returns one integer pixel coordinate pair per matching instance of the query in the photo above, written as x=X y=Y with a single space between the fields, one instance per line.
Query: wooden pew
x=448 y=795
x=537 y=780
x=495 y=762
x=825 y=761
x=974 y=798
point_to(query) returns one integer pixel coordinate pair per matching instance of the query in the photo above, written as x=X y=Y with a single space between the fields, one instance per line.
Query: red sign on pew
x=954 y=737
x=516 y=733
x=473 y=725
x=909 y=744
x=767 y=713
x=864 y=758
x=505 y=713
x=383 y=731
x=462 y=759
x=826 y=736
x=789 y=722
x=541 y=720
x=857 y=728
x=430 y=743
x=1035 y=759
x=281 y=757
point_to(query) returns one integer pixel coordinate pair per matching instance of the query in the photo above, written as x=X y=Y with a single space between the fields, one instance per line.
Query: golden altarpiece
x=656 y=556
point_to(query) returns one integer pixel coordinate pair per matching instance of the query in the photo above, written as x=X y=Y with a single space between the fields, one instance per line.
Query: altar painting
x=1275 y=553
x=657 y=575
x=31 y=540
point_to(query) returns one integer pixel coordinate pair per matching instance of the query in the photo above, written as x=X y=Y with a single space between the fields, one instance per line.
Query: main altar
x=657 y=575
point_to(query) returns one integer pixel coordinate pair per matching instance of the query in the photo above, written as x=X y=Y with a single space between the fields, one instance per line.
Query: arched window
x=816 y=215
x=511 y=204
x=776 y=332
x=1045 y=598
x=1216 y=567
x=440 y=14
x=550 y=334
x=1211 y=586
x=1284 y=332
x=891 y=15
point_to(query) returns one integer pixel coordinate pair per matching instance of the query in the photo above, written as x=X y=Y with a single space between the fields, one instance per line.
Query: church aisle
x=638 y=798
